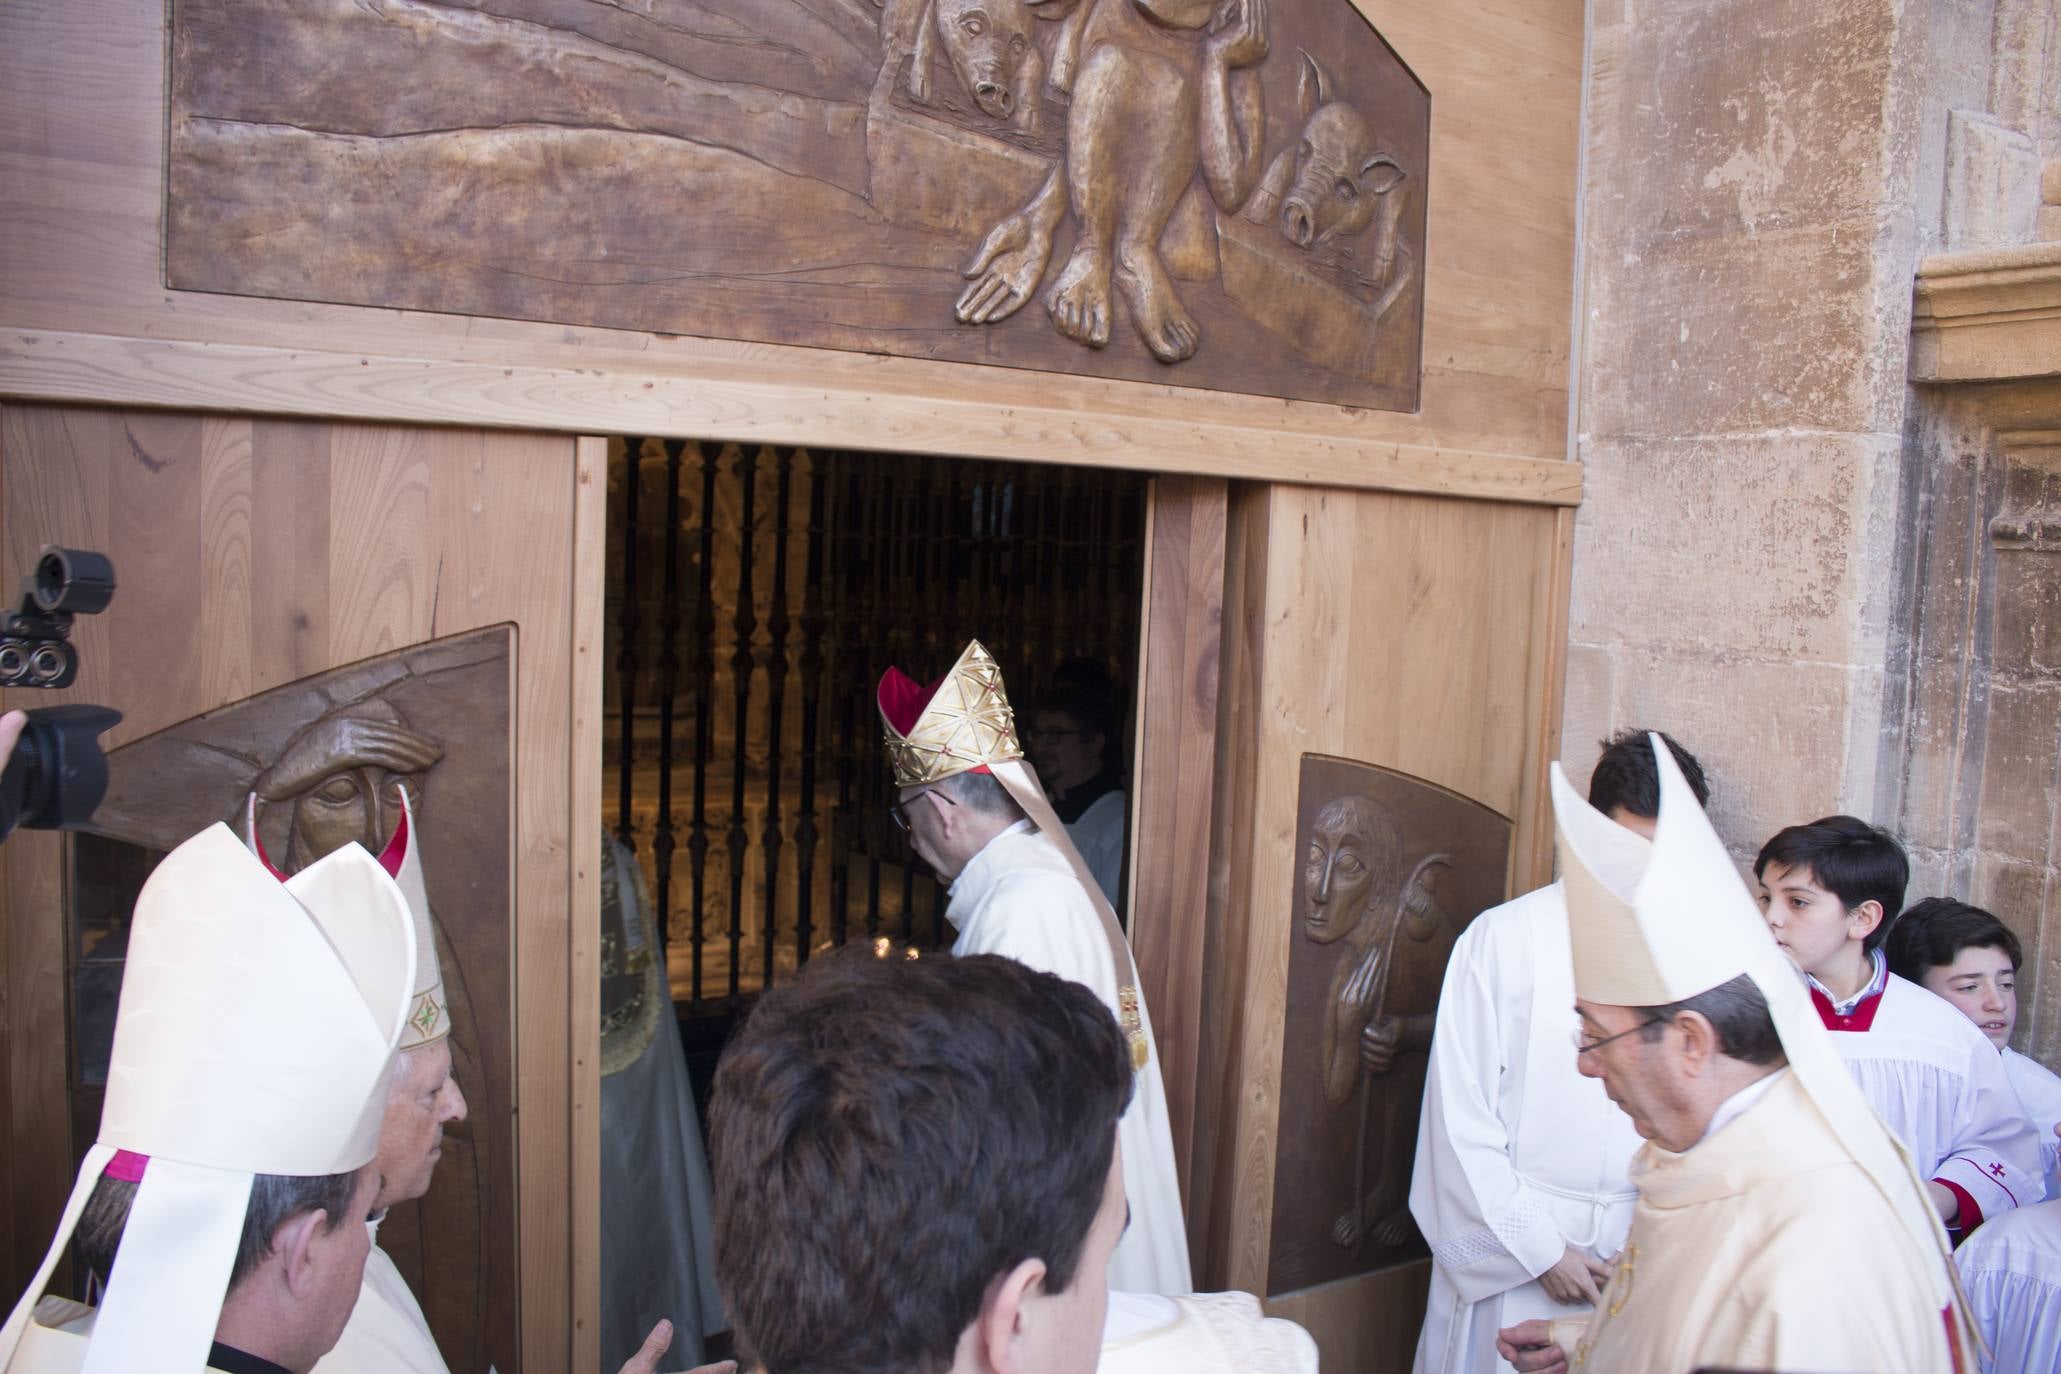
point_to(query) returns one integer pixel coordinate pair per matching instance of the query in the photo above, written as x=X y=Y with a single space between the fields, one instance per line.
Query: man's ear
x=293 y=1245
x=1863 y=919
x=999 y=1330
x=1699 y=1041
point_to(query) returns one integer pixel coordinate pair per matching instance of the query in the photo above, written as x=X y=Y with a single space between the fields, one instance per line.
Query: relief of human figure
x=1356 y=891
x=1166 y=88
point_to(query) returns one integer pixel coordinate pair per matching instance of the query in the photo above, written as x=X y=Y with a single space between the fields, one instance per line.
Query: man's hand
x=1576 y=1280
x=1529 y=1347
x=1378 y=1045
x=1944 y=1201
x=645 y=1361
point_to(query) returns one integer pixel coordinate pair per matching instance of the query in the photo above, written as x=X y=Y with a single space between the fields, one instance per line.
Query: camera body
x=57 y=773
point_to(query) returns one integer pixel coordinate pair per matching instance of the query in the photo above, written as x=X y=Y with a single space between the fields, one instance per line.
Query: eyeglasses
x=898 y=813
x=1584 y=1045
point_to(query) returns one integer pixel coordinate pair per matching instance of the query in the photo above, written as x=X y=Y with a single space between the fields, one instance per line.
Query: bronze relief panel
x=1227 y=194
x=1389 y=870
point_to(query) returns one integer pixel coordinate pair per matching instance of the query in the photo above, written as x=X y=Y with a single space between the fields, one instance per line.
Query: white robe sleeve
x=1994 y=1160
x=1489 y=1230
x=2011 y=1272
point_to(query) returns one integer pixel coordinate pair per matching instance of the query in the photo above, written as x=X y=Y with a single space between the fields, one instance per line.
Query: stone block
x=1738 y=332
x=1762 y=546
x=1587 y=710
x=1993 y=185
x=2048 y=229
x=2027 y=615
x=2015 y=814
x=2050 y=182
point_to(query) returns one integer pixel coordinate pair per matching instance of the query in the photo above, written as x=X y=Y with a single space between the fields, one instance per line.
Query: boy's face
x=1812 y=925
x=1984 y=985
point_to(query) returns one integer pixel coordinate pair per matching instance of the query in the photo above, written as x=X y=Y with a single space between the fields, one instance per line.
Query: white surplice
x=2011 y=1270
x=1518 y=1155
x=387 y=1331
x=2039 y=1092
x=1201 y=1333
x=1939 y=1084
x=1019 y=897
x=1098 y=836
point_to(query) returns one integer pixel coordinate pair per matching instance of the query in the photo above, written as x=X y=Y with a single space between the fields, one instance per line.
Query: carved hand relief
x=1221 y=193
x=1391 y=870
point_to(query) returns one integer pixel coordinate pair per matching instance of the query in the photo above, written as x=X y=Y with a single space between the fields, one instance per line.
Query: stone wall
x=1788 y=554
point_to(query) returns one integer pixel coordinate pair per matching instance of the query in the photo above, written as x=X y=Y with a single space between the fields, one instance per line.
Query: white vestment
x=2011 y=1270
x=1939 y=1085
x=1098 y=836
x=57 y=1339
x=387 y=1331
x=1518 y=1155
x=1019 y=897
x=1764 y=1247
x=1201 y=1333
x=2039 y=1092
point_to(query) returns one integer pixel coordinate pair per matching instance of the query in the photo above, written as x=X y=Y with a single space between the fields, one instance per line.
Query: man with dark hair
x=1969 y=958
x=1520 y=1182
x=1778 y=1225
x=1828 y=891
x=975 y=813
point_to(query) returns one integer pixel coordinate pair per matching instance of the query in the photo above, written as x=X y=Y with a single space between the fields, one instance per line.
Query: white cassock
x=2039 y=1092
x=387 y=1331
x=1098 y=836
x=1019 y=897
x=1762 y=1246
x=1518 y=1155
x=1202 y=1333
x=1939 y=1085
x=2011 y=1271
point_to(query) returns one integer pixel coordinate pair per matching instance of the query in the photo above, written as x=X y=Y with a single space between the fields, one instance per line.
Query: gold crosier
x=968 y=724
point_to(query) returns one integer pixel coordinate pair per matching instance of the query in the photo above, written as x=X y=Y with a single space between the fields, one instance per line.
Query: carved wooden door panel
x=316 y=616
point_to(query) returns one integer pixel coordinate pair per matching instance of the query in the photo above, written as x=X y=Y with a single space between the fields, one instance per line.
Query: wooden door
x=281 y=584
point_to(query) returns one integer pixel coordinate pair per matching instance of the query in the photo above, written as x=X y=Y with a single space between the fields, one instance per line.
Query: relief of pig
x=992 y=48
x=1334 y=180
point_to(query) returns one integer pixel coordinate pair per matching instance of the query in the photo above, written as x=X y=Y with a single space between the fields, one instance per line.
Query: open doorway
x=755 y=594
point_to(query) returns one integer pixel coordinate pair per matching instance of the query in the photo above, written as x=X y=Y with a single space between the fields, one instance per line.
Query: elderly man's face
x=422 y=1100
x=1337 y=874
x=1641 y=1076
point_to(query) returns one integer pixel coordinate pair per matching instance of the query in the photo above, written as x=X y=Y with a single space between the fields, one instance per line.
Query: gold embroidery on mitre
x=427 y=1018
x=967 y=724
x=1133 y=1026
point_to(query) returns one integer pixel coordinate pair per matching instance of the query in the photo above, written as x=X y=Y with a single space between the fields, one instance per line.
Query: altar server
x=1779 y=1225
x=1969 y=958
x=1829 y=891
x=253 y=1043
x=2011 y=1269
x=975 y=813
x=1520 y=1183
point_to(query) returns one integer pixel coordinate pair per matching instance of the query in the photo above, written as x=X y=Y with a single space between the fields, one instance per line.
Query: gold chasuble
x=1795 y=1235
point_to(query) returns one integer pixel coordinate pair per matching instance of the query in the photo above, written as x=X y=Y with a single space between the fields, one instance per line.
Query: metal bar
x=626 y=650
x=743 y=624
x=844 y=829
x=879 y=541
x=662 y=838
x=812 y=661
x=704 y=692
x=776 y=702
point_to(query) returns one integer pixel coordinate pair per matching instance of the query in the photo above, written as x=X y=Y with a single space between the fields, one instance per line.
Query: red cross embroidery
x=1997 y=1169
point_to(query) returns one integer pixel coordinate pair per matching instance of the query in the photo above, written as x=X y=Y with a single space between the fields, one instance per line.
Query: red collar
x=1859 y=1019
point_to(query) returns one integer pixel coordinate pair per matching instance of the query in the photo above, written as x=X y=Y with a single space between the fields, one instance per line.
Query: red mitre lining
x=389 y=858
x=902 y=701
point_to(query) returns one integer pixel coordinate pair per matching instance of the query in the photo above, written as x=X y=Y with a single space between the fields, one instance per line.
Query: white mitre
x=1658 y=923
x=429 y=1011
x=255 y=1035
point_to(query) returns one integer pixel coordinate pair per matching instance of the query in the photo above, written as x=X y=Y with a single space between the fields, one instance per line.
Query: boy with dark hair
x=1520 y=1182
x=1829 y=891
x=1968 y=957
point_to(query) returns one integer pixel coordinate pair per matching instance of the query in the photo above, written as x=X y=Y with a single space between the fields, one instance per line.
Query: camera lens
x=48 y=663
x=14 y=663
x=78 y=581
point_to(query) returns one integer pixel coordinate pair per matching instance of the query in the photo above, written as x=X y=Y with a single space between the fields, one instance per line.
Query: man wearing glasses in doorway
x=974 y=811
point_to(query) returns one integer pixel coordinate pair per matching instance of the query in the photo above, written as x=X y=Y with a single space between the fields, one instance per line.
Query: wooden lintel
x=182 y=374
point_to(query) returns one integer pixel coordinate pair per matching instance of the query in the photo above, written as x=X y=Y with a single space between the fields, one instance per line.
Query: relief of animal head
x=992 y=49
x=1343 y=175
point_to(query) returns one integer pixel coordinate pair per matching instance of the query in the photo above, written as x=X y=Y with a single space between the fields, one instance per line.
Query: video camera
x=57 y=773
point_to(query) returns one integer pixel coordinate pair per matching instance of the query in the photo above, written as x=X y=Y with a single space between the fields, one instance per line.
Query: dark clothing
x=1073 y=804
x=233 y=1361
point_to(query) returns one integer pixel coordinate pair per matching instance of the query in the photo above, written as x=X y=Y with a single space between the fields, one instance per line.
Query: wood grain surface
x=251 y=553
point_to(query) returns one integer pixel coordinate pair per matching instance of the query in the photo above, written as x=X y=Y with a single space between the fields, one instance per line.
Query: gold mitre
x=958 y=724
x=1654 y=923
x=429 y=1010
